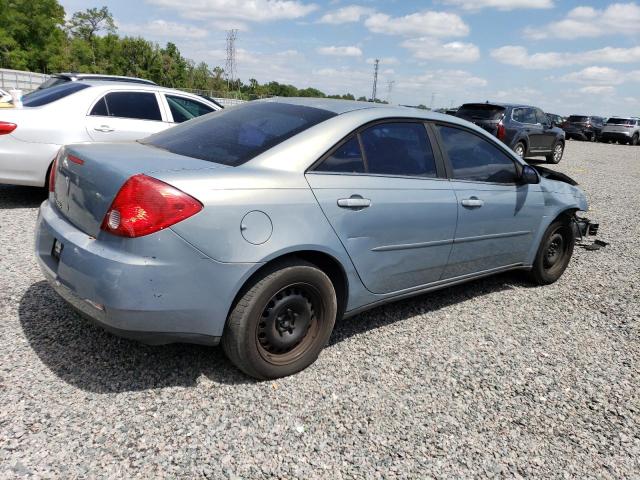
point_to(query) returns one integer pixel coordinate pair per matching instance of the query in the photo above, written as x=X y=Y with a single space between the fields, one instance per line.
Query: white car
x=85 y=111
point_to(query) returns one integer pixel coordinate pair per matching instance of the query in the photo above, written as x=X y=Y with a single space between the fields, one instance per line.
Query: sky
x=565 y=56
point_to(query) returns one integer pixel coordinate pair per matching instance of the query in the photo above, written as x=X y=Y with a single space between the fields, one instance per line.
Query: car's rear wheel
x=634 y=139
x=554 y=252
x=282 y=321
x=520 y=149
x=556 y=155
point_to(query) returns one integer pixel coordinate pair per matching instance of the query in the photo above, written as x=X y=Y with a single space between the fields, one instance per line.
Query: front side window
x=347 y=158
x=136 y=105
x=474 y=159
x=183 y=109
x=399 y=149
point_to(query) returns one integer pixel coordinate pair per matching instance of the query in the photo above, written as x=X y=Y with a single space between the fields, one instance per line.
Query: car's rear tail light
x=145 y=205
x=502 y=132
x=7 y=127
x=52 y=172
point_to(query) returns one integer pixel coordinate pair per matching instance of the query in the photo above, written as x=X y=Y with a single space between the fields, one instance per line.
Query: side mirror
x=529 y=175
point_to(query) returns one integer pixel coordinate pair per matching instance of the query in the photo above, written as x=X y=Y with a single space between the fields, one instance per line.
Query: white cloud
x=518 y=95
x=162 y=29
x=597 y=76
x=348 y=14
x=384 y=61
x=426 y=48
x=500 y=4
x=244 y=10
x=426 y=23
x=349 y=51
x=616 y=19
x=520 y=57
x=442 y=79
x=599 y=89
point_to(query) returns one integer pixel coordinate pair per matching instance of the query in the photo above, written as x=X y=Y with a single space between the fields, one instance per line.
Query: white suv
x=623 y=130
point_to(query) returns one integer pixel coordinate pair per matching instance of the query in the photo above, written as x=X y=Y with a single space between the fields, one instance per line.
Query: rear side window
x=480 y=112
x=474 y=159
x=347 y=158
x=399 y=149
x=578 y=119
x=183 y=109
x=620 y=121
x=39 y=98
x=136 y=105
x=525 y=115
x=236 y=135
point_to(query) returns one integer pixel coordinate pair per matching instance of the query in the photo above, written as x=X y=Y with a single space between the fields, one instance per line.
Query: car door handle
x=104 y=129
x=472 y=202
x=354 y=202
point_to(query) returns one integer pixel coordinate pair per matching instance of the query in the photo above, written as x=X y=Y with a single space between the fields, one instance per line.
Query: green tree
x=91 y=22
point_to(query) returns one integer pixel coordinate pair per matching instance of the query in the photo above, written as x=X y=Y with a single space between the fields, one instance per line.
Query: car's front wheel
x=635 y=139
x=554 y=252
x=282 y=321
x=556 y=155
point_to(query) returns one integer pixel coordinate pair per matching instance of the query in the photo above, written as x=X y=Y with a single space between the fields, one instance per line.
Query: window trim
x=500 y=146
x=441 y=171
x=163 y=114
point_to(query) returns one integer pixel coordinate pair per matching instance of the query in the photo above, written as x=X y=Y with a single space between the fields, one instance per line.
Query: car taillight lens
x=145 y=205
x=52 y=175
x=7 y=127
x=502 y=132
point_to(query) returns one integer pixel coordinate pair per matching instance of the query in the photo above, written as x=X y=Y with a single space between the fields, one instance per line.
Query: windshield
x=234 y=136
x=38 y=98
x=620 y=121
x=578 y=119
x=480 y=112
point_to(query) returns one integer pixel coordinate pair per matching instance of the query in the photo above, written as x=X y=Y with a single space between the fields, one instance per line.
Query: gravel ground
x=493 y=378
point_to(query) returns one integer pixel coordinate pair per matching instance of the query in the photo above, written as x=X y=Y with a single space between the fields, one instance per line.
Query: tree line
x=35 y=36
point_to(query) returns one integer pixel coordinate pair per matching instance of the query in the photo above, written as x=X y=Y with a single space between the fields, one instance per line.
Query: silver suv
x=623 y=130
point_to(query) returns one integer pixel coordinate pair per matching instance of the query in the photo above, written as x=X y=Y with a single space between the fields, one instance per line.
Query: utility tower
x=376 y=64
x=389 y=89
x=230 y=64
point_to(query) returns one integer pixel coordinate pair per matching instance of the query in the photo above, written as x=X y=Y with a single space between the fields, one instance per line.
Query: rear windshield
x=578 y=119
x=38 y=98
x=53 y=81
x=480 y=112
x=236 y=135
x=620 y=121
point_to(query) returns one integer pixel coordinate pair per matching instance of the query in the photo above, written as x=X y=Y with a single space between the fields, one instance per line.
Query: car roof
x=114 y=85
x=89 y=76
x=330 y=104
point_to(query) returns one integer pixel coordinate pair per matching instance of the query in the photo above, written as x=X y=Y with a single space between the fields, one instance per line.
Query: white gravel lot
x=493 y=378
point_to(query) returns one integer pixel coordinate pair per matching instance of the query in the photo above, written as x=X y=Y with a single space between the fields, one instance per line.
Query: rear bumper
x=156 y=289
x=579 y=134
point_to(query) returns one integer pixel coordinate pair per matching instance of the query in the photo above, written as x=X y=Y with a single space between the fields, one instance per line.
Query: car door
x=384 y=192
x=497 y=216
x=182 y=108
x=548 y=136
x=527 y=118
x=125 y=115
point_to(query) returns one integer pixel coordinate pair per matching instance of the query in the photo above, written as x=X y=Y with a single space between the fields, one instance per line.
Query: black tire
x=520 y=149
x=556 y=154
x=262 y=337
x=634 y=139
x=554 y=252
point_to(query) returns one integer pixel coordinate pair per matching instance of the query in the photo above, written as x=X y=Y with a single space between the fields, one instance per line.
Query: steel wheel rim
x=289 y=323
x=555 y=250
x=557 y=153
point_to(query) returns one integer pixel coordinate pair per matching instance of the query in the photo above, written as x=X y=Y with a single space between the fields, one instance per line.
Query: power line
x=375 y=80
x=230 y=64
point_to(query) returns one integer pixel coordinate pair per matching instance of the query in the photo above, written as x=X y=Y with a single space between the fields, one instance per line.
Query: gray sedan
x=260 y=226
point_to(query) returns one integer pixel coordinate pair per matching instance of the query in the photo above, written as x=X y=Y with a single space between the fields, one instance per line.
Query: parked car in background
x=60 y=78
x=623 y=130
x=556 y=120
x=525 y=129
x=336 y=207
x=583 y=127
x=85 y=111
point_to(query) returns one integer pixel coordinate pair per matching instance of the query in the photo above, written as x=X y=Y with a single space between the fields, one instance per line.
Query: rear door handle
x=472 y=202
x=354 y=202
x=104 y=129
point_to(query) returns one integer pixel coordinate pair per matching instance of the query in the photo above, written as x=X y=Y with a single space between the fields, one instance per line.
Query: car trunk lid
x=89 y=176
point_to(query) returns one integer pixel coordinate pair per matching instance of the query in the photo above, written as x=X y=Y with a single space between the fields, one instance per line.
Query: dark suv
x=527 y=130
x=582 y=127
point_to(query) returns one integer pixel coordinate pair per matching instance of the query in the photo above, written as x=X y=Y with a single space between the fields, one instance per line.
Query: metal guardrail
x=25 y=81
